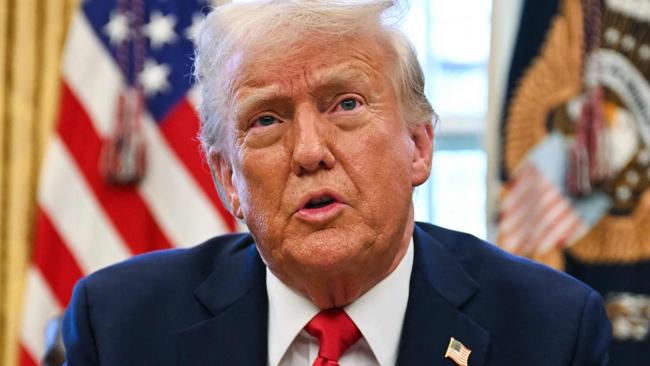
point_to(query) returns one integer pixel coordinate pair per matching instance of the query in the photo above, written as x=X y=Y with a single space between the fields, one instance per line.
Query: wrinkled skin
x=323 y=118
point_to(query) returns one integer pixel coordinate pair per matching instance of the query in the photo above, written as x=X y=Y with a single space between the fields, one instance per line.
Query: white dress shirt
x=379 y=315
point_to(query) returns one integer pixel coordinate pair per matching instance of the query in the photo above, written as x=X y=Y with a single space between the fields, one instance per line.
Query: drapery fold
x=32 y=33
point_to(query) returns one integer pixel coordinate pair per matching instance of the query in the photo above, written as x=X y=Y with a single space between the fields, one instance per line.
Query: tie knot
x=335 y=331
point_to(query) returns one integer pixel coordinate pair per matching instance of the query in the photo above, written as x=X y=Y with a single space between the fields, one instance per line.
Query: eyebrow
x=322 y=82
x=257 y=95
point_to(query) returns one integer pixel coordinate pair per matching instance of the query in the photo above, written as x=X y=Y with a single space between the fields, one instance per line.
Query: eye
x=347 y=104
x=264 y=121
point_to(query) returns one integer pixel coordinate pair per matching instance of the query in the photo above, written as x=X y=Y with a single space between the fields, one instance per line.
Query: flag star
x=154 y=77
x=612 y=36
x=160 y=29
x=628 y=42
x=623 y=193
x=192 y=31
x=117 y=28
x=632 y=177
x=644 y=52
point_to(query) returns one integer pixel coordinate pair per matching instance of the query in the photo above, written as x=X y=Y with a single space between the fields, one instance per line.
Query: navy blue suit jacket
x=208 y=305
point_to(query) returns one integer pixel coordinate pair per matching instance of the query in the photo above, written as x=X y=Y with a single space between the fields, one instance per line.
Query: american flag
x=535 y=215
x=457 y=352
x=124 y=60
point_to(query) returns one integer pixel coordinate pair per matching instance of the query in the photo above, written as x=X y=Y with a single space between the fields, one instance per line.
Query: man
x=317 y=130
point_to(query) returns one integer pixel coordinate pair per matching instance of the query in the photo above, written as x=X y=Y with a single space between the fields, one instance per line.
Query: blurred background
x=543 y=146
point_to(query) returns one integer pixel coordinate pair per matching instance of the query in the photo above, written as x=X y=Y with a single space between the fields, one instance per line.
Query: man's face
x=320 y=164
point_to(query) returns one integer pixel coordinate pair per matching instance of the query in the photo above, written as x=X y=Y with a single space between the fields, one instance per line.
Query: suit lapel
x=439 y=288
x=236 y=334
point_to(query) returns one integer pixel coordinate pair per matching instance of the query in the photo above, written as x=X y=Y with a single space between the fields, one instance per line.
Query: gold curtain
x=33 y=32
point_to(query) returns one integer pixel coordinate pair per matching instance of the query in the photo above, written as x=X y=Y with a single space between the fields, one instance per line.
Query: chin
x=327 y=250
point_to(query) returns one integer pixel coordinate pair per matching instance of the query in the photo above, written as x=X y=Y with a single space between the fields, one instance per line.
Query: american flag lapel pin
x=458 y=352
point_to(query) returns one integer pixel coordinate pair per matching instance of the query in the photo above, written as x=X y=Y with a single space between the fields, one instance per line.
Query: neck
x=338 y=288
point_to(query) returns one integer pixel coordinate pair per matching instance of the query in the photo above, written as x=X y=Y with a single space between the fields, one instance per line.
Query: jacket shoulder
x=148 y=297
x=165 y=269
x=491 y=266
x=534 y=314
x=207 y=253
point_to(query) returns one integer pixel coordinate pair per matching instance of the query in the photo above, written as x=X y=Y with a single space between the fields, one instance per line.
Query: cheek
x=263 y=178
x=379 y=164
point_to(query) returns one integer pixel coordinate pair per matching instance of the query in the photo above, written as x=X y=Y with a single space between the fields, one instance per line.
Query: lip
x=320 y=214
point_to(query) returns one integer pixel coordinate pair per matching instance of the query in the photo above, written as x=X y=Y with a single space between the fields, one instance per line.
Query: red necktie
x=336 y=332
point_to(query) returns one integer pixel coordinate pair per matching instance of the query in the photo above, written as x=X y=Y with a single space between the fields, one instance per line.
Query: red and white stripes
x=83 y=223
x=534 y=214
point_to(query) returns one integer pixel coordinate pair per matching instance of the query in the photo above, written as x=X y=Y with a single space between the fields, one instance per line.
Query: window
x=452 y=38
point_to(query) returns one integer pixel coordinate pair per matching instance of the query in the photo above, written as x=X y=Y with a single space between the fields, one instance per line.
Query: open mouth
x=320 y=207
x=319 y=202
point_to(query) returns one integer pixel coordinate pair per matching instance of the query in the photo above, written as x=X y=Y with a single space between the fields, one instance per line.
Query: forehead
x=315 y=60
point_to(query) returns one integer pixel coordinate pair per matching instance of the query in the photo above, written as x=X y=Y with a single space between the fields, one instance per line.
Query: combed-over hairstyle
x=279 y=24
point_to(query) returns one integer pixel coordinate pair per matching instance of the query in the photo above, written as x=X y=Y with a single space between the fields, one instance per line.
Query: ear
x=422 y=136
x=223 y=174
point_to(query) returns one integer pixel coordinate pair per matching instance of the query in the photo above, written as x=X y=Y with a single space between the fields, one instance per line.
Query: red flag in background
x=123 y=174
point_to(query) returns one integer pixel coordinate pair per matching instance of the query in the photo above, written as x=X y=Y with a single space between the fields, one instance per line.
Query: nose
x=311 y=152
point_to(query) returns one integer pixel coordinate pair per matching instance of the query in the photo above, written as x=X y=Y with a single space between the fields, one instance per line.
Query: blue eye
x=266 y=120
x=348 y=104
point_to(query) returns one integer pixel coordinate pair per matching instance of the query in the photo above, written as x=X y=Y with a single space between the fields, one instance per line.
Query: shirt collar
x=379 y=313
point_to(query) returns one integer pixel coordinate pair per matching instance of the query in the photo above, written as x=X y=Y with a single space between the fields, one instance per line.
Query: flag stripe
x=534 y=221
x=76 y=214
x=518 y=223
x=560 y=233
x=516 y=218
x=537 y=217
x=180 y=129
x=126 y=209
x=37 y=312
x=186 y=213
x=548 y=219
x=25 y=359
x=83 y=222
x=519 y=186
x=88 y=69
x=54 y=260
